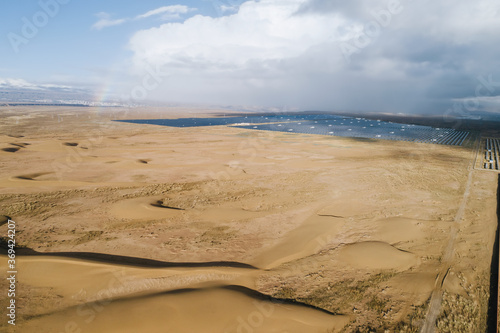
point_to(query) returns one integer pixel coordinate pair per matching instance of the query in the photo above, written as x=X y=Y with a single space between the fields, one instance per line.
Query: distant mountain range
x=18 y=91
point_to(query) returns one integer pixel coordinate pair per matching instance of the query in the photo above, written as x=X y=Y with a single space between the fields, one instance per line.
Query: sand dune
x=30 y=183
x=143 y=208
x=228 y=214
x=346 y=208
x=300 y=242
x=48 y=146
x=217 y=310
x=33 y=176
x=416 y=284
x=399 y=229
x=376 y=255
x=19 y=144
x=11 y=149
x=69 y=276
x=195 y=225
x=120 y=260
x=166 y=207
x=100 y=297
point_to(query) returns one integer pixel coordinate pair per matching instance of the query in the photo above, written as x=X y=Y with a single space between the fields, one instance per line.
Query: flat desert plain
x=125 y=227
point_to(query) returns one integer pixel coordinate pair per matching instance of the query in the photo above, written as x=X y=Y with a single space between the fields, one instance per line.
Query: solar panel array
x=490 y=154
x=199 y=122
x=370 y=129
x=325 y=125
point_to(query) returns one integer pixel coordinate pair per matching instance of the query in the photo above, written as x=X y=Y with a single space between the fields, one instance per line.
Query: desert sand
x=127 y=227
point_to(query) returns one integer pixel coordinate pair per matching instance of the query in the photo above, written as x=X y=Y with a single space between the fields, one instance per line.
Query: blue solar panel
x=197 y=122
x=370 y=129
x=325 y=125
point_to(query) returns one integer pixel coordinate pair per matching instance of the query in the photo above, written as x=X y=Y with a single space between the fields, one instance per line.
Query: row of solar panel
x=325 y=125
x=491 y=154
x=217 y=121
x=386 y=131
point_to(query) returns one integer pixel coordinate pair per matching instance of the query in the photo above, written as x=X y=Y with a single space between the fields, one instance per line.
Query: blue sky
x=67 y=49
x=364 y=55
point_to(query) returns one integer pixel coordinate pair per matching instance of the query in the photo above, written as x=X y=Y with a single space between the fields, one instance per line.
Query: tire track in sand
x=429 y=325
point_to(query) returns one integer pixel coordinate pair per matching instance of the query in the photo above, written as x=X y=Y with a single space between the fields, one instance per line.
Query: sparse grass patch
x=134 y=224
x=459 y=314
x=465 y=313
x=285 y=293
x=377 y=304
x=88 y=236
x=413 y=322
x=338 y=296
x=217 y=235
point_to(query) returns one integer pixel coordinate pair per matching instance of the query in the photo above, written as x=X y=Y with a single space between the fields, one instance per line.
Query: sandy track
x=429 y=325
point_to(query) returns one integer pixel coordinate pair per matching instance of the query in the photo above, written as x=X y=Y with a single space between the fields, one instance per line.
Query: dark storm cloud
x=393 y=56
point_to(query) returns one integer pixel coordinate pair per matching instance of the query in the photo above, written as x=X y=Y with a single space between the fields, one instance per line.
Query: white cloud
x=265 y=30
x=105 y=21
x=23 y=84
x=15 y=83
x=406 y=55
x=226 y=9
x=169 y=12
